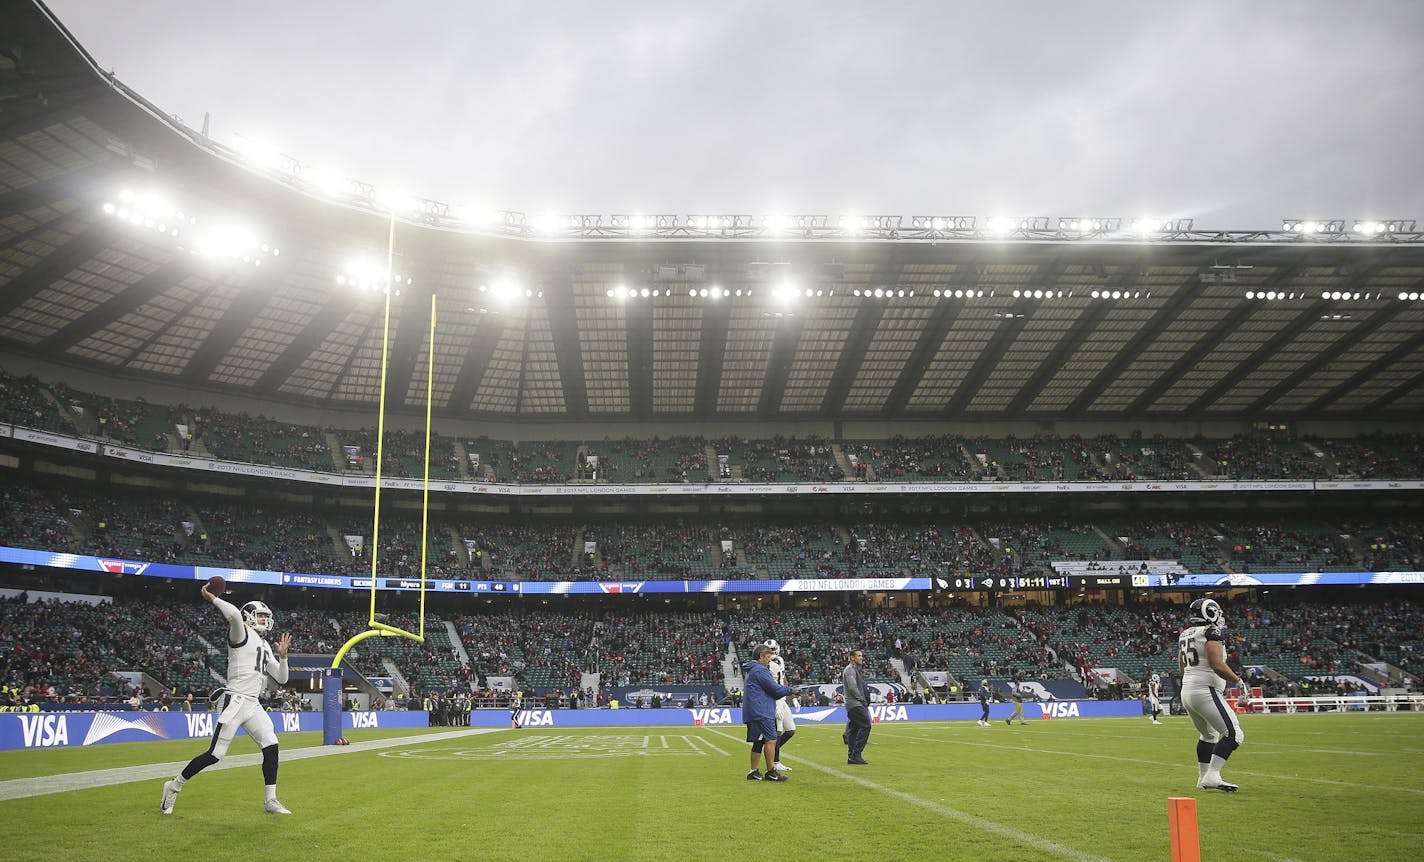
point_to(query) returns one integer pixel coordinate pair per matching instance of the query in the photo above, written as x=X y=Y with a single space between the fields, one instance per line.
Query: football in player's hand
x=216 y=585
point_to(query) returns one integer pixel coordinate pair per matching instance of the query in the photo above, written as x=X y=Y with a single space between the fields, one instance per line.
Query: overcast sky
x=1235 y=113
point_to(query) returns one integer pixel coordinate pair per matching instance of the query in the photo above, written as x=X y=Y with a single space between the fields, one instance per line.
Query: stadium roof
x=133 y=245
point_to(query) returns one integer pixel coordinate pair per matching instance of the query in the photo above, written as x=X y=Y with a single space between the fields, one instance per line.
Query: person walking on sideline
x=857 y=706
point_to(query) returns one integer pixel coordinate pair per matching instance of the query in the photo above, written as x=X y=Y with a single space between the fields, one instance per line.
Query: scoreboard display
x=994 y=583
x=1102 y=582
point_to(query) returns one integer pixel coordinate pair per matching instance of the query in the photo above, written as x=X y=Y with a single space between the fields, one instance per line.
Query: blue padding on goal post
x=331 y=705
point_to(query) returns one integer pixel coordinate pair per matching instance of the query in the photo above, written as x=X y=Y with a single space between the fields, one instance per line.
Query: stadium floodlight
x=942 y=223
x=363 y=274
x=776 y=224
x=505 y=290
x=999 y=224
x=785 y=293
x=1310 y=227
x=260 y=154
x=226 y=241
x=1089 y=225
x=1371 y=227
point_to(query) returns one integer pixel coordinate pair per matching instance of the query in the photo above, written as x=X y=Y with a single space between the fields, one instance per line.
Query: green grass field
x=1313 y=787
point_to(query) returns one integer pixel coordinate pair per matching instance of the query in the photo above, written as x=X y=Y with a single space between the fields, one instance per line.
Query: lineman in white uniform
x=1154 y=696
x=785 y=722
x=1201 y=656
x=250 y=661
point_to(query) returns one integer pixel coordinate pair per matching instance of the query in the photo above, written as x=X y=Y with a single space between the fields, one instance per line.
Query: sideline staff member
x=759 y=712
x=857 y=705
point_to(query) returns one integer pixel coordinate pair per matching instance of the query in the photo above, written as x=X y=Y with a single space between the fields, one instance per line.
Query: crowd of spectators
x=70 y=517
x=50 y=650
x=257 y=439
x=1043 y=458
x=23 y=402
x=901 y=459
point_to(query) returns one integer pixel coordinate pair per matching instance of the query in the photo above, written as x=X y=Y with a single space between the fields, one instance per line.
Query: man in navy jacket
x=761 y=693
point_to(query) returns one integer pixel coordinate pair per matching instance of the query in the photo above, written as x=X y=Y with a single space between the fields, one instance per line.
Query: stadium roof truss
x=663 y=317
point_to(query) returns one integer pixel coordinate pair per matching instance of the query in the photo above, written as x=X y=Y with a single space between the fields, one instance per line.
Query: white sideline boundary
x=1019 y=836
x=22 y=788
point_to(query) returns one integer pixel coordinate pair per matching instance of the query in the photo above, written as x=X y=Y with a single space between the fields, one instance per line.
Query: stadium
x=526 y=492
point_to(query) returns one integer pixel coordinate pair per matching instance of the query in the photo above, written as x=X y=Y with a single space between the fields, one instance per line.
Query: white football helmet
x=771 y=644
x=1206 y=612
x=1155 y=678
x=259 y=616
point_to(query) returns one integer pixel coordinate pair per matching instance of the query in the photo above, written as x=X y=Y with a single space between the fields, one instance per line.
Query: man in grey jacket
x=857 y=705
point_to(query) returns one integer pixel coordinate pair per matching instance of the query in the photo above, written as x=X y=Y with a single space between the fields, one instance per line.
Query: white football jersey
x=250 y=659
x=1191 y=646
x=777 y=666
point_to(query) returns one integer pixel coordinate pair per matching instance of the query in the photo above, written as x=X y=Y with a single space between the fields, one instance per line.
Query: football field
x=1313 y=787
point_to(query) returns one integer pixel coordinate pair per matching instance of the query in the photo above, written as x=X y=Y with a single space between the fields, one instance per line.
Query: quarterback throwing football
x=250 y=660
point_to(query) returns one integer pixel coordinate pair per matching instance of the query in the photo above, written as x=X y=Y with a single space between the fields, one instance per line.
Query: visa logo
x=535 y=718
x=200 y=724
x=44 y=731
x=712 y=716
x=886 y=712
x=365 y=719
x=1062 y=710
x=291 y=722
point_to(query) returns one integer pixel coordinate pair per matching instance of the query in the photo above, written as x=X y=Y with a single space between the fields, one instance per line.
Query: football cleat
x=774 y=776
x=272 y=806
x=858 y=761
x=781 y=767
x=754 y=776
x=170 y=796
x=1215 y=783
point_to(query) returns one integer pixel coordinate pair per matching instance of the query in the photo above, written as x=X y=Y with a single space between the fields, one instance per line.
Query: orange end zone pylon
x=1182 y=817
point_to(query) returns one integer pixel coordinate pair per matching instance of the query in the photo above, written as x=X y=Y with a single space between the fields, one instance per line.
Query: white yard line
x=1234 y=770
x=993 y=827
x=21 y=788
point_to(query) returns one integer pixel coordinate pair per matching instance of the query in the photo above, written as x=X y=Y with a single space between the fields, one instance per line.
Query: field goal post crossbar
x=332 y=682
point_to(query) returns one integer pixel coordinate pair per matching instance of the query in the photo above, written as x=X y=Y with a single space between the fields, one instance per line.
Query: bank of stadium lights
x=506 y=290
x=1089 y=225
x=942 y=223
x=623 y=293
x=961 y=293
x=1326 y=295
x=220 y=240
x=877 y=293
x=366 y=275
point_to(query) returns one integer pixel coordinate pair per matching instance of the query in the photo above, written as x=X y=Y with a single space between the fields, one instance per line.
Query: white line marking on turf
x=710 y=744
x=1234 y=770
x=990 y=826
x=21 y=788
